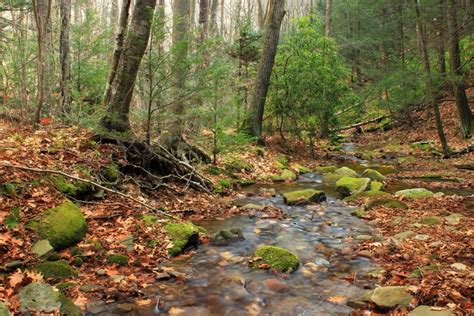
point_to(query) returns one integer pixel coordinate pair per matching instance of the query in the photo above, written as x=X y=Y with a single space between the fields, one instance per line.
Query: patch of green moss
x=121 y=260
x=376 y=186
x=431 y=220
x=345 y=171
x=68 y=307
x=64 y=285
x=149 y=219
x=278 y=259
x=366 y=194
x=72 y=188
x=299 y=168
x=235 y=164
x=77 y=261
x=63 y=225
x=8 y=189
x=360 y=213
x=414 y=193
x=183 y=235
x=418 y=272
x=373 y=175
x=301 y=197
x=56 y=269
x=214 y=170
x=246 y=182
x=282 y=162
x=286 y=175
x=111 y=172
x=325 y=169
x=349 y=185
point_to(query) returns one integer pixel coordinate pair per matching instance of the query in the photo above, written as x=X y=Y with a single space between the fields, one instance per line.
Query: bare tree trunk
x=116 y=118
x=441 y=39
x=260 y=15
x=222 y=17
x=213 y=17
x=429 y=80
x=42 y=14
x=114 y=4
x=65 y=55
x=465 y=114
x=203 y=18
x=328 y=18
x=253 y=123
x=124 y=15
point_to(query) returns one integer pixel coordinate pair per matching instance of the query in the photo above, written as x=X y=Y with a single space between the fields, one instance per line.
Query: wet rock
x=349 y=185
x=356 y=304
x=404 y=235
x=63 y=226
x=189 y=311
x=56 y=269
x=325 y=169
x=373 y=175
x=302 y=197
x=322 y=262
x=276 y=258
x=390 y=203
x=4 y=310
x=414 y=193
x=346 y=172
x=459 y=266
x=253 y=206
x=424 y=310
x=276 y=285
x=286 y=175
x=161 y=276
x=225 y=237
x=117 y=278
x=42 y=248
x=183 y=236
x=422 y=237
x=453 y=219
x=299 y=168
x=101 y=272
x=431 y=220
x=390 y=296
x=39 y=297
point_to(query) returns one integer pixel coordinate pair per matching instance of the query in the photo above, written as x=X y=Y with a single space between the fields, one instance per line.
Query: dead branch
x=375 y=120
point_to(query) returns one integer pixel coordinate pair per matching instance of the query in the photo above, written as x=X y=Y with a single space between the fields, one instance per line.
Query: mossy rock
x=286 y=175
x=39 y=297
x=389 y=203
x=282 y=162
x=278 y=259
x=8 y=189
x=366 y=195
x=4 y=311
x=331 y=178
x=183 y=236
x=299 y=168
x=414 y=193
x=111 y=173
x=68 y=307
x=360 y=213
x=64 y=285
x=71 y=188
x=121 y=260
x=349 y=185
x=376 y=186
x=325 y=169
x=302 y=197
x=391 y=296
x=63 y=225
x=345 y=171
x=56 y=269
x=373 y=175
x=149 y=219
x=431 y=220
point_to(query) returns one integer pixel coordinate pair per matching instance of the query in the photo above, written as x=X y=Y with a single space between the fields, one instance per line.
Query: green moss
x=72 y=188
x=56 y=269
x=246 y=182
x=63 y=225
x=121 y=260
x=149 y=219
x=431 y=220
x=8 y=189
x=77 y=261
x=64 y=285
x=414 y=193
x=182 y=235
x=301 y=197
x=235 y=164
x=360 y=212
x=111 y=173
x=376 y=186
x=418 y=272
x=225 y=183
x=366 y=194
x=325 y=169
x=390 y=203
x=348 y=185
x=282 y=162
x=345 y=171
x=299 y=168
x=68 y=307
x=214 y=170
x=373 y=175
x=331 y=178
x=278 y=259
x=286 y=175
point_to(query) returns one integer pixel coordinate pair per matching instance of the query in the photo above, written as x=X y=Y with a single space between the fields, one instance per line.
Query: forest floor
x=438 y=266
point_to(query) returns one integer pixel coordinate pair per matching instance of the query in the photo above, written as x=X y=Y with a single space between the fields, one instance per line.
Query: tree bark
x=123 y=84
x=465 y=114
x=328 y=18
x=260 y=15
x=213 y=17
x=203 y=18
x=65 y=55
x=429 y=80
x=253 y=123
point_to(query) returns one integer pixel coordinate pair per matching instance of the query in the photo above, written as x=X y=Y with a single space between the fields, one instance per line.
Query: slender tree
x=65 y=55
x=121 y=89
x=253 y=123
x=328 y=18
x=430 y=91
x=465 y=114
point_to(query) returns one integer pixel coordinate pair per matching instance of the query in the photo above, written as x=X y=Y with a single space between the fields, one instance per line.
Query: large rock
x=373 y=175
x=42 y=247
x=56 y=269
x=183 y=236
x=414 y=193
x=424 y=310
x=299 y=168
x=302 y=197
x=286 y=175
x=391 y=296
x=325 y=169
x=349 y=185
x=346 y=172
x=276 y=258
x=225 y=237
x=63 y=226
x=37 y=298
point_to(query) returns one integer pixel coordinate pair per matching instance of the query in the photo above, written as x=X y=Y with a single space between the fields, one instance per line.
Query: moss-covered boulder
x=39 y=298
x=278 y=259
x=63 y=225
x=68 y=307
x=325 y=169
x=373 y=175
x=286 y=175
x=299 y=168
x=302 y=197
x=333 y=177
x=349 y=185
x=56 y=269
x=282 y=162
x=236 y=164
x=414 y=193
x=346 y=172
x=389 y=203
x=376 y=186
x=183 y=236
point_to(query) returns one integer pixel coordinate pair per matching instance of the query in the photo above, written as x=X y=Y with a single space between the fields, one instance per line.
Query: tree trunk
x=465 y=114
x=260 y=15
x=114 y=14
x=122 y=28
x=222 y=18
x=123 y=84
x=429 y=80
x=324 y=133
x=203 y=18
x=328 y=18
x=65 y=56
x=213 y=17
x=441 y=38
x=253 y=123
x=42 y=14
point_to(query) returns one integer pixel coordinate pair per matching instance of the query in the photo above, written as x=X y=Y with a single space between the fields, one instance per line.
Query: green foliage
x=13 y=218
x=121 y=260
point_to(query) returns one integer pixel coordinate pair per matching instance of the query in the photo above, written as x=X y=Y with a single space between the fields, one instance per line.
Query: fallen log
x=375 y=120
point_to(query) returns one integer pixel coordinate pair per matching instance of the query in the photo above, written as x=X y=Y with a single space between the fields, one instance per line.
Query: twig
x=91 y=183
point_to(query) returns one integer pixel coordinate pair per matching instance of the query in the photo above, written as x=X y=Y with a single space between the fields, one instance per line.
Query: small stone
x=391 y=296
x=101 y=272
x=117 y=278
x=276 y=285
x=422 y=237
x=453 y=219
x=436 y=244
x=363 y=237
x=42 y=248
x=126 y=307
x=404 y=235
x=459 y=266
x=161 y=276
x=365 y=254
x=424 y=310
x=322 y=262
x=87 y=288
x=253 y=206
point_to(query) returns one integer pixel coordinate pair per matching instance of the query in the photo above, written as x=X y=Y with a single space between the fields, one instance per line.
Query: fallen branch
x=375 y=120
x=91 y=183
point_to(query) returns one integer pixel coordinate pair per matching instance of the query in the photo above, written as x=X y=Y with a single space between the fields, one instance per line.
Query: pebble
x=459 y=266
x=276 y=285
x=422 y=237
x=101 y=272
x=117 y=278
